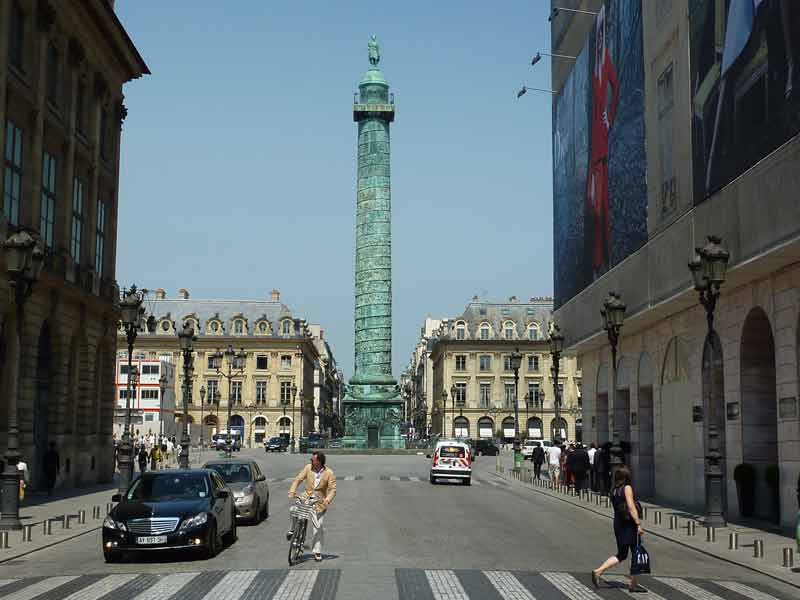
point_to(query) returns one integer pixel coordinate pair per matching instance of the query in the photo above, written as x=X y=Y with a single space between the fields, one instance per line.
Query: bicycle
x=304 y=510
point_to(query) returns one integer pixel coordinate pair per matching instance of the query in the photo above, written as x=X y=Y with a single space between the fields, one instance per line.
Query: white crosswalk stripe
x=394 y=478
x=232 y=586
x=40 y=587
x=508 y=586
x=445 y=585
x=298 y=585
x=688 y=588
x=350 y=478
x=6 y=582
x=413 y=479
x=166 y=587
x=570 y=587
x=100 y=588
x=623 y=585
x=745 y=590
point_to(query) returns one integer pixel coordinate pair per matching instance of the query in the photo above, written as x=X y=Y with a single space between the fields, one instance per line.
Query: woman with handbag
x=627 y=525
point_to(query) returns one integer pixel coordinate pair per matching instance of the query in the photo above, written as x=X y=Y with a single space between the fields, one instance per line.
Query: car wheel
x=231 y=536
x=212 y=545
x=265 y=516
x=111 y=557
x=468 y=481
x=433 y=480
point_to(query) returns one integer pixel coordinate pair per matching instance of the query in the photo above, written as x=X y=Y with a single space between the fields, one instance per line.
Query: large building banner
x=745 y=85
x=599 y=162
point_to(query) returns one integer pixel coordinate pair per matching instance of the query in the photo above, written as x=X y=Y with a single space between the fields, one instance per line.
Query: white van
x=452 y=460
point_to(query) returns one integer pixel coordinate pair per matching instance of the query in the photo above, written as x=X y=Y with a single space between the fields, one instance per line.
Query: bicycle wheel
x=296 y=544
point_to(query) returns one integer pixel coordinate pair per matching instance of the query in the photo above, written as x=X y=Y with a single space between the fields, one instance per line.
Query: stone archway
x=714 y=403
x=644 y=451
x=41 y=403
x=759 y=407
x=285 y=427
x=562 y=430
x=210 y=427
x=461 y=425
x=485 y=428
x=600 y=424
x=508 y=429
x=535 y=428
x=676 y=431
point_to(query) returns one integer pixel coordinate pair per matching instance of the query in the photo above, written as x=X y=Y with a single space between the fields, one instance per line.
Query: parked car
x=485 y=447
x=191 y=509
x=451 y=460
x=277 y=444
x=528 y=446
x=314 y=441
x=249 y=487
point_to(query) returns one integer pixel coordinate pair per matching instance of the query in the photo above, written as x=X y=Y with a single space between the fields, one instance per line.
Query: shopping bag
x=640 y=559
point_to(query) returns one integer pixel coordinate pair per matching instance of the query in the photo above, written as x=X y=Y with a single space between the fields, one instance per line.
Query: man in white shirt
x=592 y=451
x=554 y=464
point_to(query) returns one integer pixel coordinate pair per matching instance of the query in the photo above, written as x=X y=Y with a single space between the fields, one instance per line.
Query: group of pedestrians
x=576 y=465
x=155 y=453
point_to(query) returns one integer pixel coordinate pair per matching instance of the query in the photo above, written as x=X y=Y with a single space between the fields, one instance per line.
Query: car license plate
x=153 y=539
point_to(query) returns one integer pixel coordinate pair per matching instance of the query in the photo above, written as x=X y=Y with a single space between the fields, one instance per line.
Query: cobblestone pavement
x=390 y=534
x=411 y=583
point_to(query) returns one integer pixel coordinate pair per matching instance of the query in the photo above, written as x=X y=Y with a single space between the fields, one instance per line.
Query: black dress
x=624 y=528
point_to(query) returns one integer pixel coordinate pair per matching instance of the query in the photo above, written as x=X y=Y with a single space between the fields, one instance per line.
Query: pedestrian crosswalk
x=416 y=584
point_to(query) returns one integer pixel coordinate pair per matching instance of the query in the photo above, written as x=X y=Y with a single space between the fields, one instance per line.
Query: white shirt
x=318 y=476
x=554 y=456
x=591 y=455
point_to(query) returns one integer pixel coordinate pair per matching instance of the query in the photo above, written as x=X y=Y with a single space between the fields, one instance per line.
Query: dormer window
x=286 y=327
x=215 y=327
x=508 y=330
x=534 y=333
x=238 y=327
x=485 y=331
x=461 y=331
x=165 y=326
x=263 y=327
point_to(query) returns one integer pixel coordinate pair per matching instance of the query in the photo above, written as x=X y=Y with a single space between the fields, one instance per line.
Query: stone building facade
x=673 y=379
x=62 y=69
x=282 y=350
x=470 y=353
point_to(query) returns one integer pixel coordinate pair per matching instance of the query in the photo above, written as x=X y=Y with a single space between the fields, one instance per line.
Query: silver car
x=249 y=487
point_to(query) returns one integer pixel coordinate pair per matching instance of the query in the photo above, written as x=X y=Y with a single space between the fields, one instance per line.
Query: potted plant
x=745 y=477
x=773 y=478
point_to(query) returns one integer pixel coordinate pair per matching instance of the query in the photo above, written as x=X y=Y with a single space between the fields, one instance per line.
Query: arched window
x=260 y=422
x=238 y=327
x=485 y=331
x=508 y=330
x=286 y=327
x=534 y=333
x=461 y=427
x=485 y=427
x=263 y=327
x=461 y=330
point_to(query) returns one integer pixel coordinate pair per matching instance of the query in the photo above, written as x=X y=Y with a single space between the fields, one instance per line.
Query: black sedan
x=277 y=444
x=171 y=510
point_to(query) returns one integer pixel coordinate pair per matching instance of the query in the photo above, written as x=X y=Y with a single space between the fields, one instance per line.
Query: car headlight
x=195 y=521
x=112 y=524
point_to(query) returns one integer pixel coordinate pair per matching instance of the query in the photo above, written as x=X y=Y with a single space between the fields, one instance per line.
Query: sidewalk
x=770 y=564
x=37 y=509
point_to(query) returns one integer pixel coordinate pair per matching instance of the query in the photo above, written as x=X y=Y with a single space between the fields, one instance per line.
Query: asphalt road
x=388 y=525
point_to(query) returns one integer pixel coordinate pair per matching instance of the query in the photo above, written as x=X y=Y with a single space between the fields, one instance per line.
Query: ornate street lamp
x=162 y=384
x=186 y=336
x=202 y=418
x=516 y=362
x=133 y=321
x=556 y=342
x=528 y=401
x=453 y=400
x=24 y=262
x=236 y=365
x=443 y=412
x=613 y=313
x=708 y=274
x=294 y=396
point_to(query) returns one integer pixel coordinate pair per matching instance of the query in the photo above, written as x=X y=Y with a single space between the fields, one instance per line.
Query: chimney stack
x=160 y=294
x=183 y=294
x=275 y=296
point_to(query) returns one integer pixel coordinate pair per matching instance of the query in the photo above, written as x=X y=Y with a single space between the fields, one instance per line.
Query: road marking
x=298 y=585
x=414 y=479
x=350 y=478
x=687 y=588
x=232 y=586
x=649 y=595
x=394 y=478
x=100 y=588
x=167 y=586
x=445 y=585
x=570 y=587
x=5 y=582
x=40 y=587
x=508 y=586
x=745 y=590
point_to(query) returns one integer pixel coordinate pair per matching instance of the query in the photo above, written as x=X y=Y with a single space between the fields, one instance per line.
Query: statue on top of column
x=374 y=51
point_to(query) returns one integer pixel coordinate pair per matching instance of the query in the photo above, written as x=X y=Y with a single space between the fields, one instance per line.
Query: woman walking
x=627 y=525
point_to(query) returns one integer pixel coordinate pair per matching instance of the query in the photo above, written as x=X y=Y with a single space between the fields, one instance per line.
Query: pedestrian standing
x=24 y=478
x=580 y=467
x=591 y=452
x=562 y=465
x=142 y=456
x=627 y=525
x=538 y=459
x=155 y=457
x=51 y=465
x=554 y=464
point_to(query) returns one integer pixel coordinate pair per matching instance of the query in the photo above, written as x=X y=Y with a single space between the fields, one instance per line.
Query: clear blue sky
x=238 y=157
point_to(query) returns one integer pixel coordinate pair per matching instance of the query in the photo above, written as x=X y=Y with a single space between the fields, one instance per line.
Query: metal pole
x=516 y=416
x=183 y=458
x=125 y=452
x=557 y=395
x=202 y=423
x=230 y=400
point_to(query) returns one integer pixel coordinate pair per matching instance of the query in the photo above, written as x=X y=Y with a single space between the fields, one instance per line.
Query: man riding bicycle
x=321 y=486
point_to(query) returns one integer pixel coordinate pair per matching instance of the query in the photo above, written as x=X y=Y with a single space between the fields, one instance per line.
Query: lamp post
x=284 y=404
x=186 y=337
x=556 y=341
x=133 y=321
x=453 y=401
x=236 y=365
x=708 y=270
x=444 y=413
x=24 y=262
x=294 y=395
x=162 y=384
x=516 y=362
x=202 y=417
x=527 y=406
x=613 y=313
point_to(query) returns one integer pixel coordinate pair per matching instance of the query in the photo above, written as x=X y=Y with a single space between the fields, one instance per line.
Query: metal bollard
x=644 y=510
x=690 y=527
x=711 y=534
x=788 y=558
x=605 y=501
x=657 y=517
x=48 y=527
x=758 y=548
x=733 y=541
x=3 y=540
x=65 y=522
x=27 y=533
x=109 y=506
x=673 y=522
x=81 y=517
